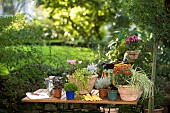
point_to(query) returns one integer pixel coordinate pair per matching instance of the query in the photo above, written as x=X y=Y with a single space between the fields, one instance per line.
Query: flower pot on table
x=103 y=93
x=112 y=94
x=70 y=95
x=57 y=93
x=129 y=93
x=90 y=84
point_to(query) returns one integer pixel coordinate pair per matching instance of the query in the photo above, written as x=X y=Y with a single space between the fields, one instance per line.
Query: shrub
x=12 y=90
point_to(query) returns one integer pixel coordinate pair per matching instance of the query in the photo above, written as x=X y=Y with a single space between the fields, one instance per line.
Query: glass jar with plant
x=70 y=89
x=58 y=84
x=102 y=85
x=132 y=82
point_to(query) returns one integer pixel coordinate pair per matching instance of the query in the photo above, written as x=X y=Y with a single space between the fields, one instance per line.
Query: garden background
x=92 y=31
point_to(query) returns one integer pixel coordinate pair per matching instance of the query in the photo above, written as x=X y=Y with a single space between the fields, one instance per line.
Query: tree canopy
x=85 y=19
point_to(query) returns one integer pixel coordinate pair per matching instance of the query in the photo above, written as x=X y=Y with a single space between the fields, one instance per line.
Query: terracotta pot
x=103 y=93
x=129 y=93
x=155 y=110
x=90 y=84
x=106 y=110
x=57 y=93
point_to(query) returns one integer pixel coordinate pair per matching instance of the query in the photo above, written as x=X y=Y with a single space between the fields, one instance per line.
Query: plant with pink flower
x=132 y=42
x=74 y=65
x=72 y=62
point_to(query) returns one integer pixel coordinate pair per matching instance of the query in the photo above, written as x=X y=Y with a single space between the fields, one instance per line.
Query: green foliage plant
x=70 y=86
x=83 y=76
x=102 y=83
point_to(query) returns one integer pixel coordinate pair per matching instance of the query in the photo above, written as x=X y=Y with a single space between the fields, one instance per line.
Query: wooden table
x=64 y=100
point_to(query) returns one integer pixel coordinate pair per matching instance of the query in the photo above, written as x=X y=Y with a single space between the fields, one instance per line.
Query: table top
x=64 y=100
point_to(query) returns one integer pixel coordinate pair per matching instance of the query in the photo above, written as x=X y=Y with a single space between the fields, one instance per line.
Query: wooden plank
x=64 y=100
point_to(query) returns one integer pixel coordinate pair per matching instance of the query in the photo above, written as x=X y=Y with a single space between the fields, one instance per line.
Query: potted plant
x=70 y=88
x=132 y=53
x=102 y=85
x=58 y=83
x=131 y=82
x=84 y=78
x=112 y=92
x=111 y=108
x=158 y=102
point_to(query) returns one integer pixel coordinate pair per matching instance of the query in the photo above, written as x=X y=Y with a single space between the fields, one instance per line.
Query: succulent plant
x=91 y=68
x=102 y=83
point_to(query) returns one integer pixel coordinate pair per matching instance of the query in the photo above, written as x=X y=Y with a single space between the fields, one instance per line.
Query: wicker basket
x=132 y=55
x=129 y=93
x=90 y=84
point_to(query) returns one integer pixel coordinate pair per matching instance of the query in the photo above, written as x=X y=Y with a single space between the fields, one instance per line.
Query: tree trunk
x=151 y=99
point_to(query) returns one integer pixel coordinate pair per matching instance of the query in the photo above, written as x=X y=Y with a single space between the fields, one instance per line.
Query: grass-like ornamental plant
x=102 y=83
x=140 y=80
x=70 y=86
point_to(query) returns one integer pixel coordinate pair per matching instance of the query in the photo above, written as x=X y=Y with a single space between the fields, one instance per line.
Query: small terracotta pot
x=103 y=93
x=57 y=93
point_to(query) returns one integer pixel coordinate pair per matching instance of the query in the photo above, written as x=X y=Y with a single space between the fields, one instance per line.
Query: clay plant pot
x=57 y=93
x=155 y=110
x=103 y=93
x=106 y=110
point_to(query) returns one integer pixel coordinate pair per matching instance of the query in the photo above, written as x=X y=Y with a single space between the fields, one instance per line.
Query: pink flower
x=72 y=62
x=132 y=42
